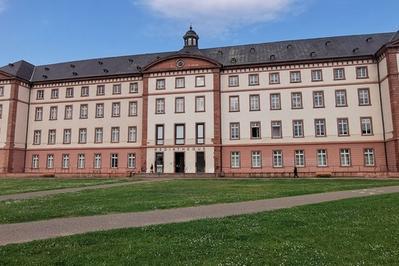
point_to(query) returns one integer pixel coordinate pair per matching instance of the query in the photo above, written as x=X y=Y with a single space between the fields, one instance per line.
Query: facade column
x=144 y=126
x=217 y=120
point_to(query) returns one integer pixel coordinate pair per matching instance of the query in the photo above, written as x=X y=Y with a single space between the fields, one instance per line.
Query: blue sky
x=50 y=31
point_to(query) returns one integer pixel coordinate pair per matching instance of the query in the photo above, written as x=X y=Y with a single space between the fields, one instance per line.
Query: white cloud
x=224 y=13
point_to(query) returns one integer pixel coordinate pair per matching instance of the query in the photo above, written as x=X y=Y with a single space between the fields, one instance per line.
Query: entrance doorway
x=159 y=162
x=200 y=162
x=179 y=162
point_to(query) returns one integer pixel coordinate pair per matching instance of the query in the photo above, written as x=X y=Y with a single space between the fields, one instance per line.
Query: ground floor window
x=65 y=161
x=345 y=157
x=235 y=159
x=97 y=161
x=114 y=160
x=35 y=161
x=81 y=161
x=369 y=157
x=50 y=161
x=256 y=159
x=300 y=158
x=277 y=158
x=322 y=158
x=131 y=160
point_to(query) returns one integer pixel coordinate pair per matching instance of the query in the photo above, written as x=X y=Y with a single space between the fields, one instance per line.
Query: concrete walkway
x=44 y=193
x=25 y=232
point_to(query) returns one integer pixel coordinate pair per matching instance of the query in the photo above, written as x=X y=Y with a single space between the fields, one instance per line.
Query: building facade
x=327 y=105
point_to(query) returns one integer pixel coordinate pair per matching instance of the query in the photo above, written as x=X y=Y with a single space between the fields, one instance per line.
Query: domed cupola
x=191 y=39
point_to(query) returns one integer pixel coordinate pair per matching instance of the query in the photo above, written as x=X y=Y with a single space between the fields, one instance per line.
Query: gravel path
x=25 y=232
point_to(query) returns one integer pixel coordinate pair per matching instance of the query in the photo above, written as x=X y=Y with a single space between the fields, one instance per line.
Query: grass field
x=170 y=194
x=13 y=186
x=363 y=231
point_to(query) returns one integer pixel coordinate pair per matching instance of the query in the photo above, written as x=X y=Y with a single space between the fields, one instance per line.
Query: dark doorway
x=179 y=162
x=200 y=162
x=159 y=162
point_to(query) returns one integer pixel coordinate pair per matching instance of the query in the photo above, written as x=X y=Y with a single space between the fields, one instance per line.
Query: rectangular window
x=50 y=161
x=234 y=104
x=234 y=131
x=253 y=79
x=300 y=158
x=160 y=84
x=39 y=114
x=275 y=101
x=345 y=157
x=200 y=81
x=69 y=93
x=276 y=130
x=81 y=161
x=100 y=90
x=297 y=127
x=39 y=94
x=65 y=161
x=343 y=127
x=339 y=73
x=53 y=113
x=274 y=78
x=255 y=130
x=114 y=160
x=340 y=98
x=98 y=137
x=366 y=126
x=180 y=83
x=159 y=134
x=322 y=158
x=179 y=134
x=68 y=112
x=82 y=136
x=1 y=111
x=131 y=160
x=318 y=99
x=115 y=134
x=133 y=108
x=1 y=91
x=134 y=87
x=320 y=127
x=233 y=81
x=160 y=106
x=54 y=94
x=84 y=91
x=295 y=76
x=116 y=89
x=362 y=72
x=35 y=161
x=256 y=159
x=37 y=137
x=51 y=136
x=132 y=134
x=369 y=157
x=317 y=75
x=67 y=136
x=200 y=133
x=200 y=103
x=97 y=161
x=254 y=102
x=277 y=158
x=84 y=111
x=364 y=96
x=235 y=160
x=296 y=100
x=99 y=110
x=116 y=109
x=179 y=105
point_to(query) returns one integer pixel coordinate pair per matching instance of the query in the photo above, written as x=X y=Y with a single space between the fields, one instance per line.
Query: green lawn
x=363 y=231
x=170 y=194
x=13 y=186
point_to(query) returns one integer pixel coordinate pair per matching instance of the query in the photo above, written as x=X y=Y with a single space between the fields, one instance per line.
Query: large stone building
x=324 y=105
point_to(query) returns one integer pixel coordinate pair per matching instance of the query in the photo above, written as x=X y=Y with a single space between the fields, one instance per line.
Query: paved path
x=25 y=232
x=43 y=193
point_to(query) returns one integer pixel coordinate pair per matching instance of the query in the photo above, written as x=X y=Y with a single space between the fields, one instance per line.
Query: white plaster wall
x=386 y=106
x=383 y=68
x=4 y=123
x=21 y=125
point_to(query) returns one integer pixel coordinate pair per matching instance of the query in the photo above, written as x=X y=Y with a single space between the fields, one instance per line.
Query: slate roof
x=265 y=53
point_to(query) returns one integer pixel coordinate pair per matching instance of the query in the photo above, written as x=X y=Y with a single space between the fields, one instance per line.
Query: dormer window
x=191 y=39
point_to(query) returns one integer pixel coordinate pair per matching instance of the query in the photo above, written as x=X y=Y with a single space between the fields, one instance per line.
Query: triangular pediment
x=4 y=75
